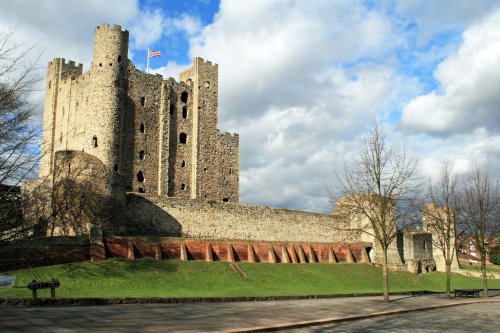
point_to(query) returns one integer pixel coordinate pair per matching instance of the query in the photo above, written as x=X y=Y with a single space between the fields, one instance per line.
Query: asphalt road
x=480 y=317
x=246 y=316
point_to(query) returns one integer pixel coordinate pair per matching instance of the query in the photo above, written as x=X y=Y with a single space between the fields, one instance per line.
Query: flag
x=153 y=54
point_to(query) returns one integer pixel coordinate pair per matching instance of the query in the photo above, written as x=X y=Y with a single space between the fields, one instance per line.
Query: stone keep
x=160 y=135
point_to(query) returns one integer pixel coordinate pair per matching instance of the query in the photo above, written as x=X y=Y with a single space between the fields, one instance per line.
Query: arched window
x=184 y=97
x=184 y=112
x=141 y=155
x=183 y=138
x=140 y=177
x=141 y=128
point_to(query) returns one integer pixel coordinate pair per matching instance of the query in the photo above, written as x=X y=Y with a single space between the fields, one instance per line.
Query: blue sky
x=300 y=80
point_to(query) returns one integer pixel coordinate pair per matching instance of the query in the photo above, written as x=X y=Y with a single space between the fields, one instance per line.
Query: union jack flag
x=153 y=54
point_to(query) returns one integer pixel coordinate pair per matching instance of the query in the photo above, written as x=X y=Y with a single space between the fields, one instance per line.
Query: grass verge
x=174 y=278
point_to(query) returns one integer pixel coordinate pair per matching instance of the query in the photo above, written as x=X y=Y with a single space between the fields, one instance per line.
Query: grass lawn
x=174 y=278
x=489 y=268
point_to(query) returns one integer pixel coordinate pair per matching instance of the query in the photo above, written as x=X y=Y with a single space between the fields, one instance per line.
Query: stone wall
x=418 y=252
x=155 y=215
x=30 y=253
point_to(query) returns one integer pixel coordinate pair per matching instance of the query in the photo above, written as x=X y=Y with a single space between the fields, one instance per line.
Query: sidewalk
x=213 y=317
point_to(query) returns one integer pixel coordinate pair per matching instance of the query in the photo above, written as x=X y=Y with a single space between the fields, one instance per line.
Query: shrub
x=495 y=256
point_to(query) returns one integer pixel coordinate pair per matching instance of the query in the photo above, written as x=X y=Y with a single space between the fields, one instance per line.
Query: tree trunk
x=485 y=277
x=385 y=274
x=448 y=278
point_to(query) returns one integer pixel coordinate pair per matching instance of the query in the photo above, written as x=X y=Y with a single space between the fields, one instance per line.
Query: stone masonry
x=160 y=135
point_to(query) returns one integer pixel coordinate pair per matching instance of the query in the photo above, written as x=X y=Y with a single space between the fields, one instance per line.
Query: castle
x=129 y=155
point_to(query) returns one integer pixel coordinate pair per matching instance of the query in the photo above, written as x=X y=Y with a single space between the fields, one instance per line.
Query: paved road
x=467 y=318
x=210 y=317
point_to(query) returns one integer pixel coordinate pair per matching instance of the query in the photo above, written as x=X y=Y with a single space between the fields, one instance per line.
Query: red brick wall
x=197 y=249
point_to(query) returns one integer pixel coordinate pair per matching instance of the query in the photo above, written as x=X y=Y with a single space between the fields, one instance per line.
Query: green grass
x=174 y=278
x=465 y=265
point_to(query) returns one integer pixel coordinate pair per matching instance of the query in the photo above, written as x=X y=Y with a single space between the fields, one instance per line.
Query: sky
x=301 y=81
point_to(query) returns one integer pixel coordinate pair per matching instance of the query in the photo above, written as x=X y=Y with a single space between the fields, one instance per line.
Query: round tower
x=106 y=94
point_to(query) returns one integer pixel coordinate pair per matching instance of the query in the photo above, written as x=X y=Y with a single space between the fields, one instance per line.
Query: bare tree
x=378 y=191
x=19 y=151
x=479 y=209
x=440 y=214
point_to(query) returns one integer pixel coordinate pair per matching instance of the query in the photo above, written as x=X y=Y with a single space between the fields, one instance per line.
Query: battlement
x=201 y=62
x=115 y=27
x=70 y=64
x=234 y=135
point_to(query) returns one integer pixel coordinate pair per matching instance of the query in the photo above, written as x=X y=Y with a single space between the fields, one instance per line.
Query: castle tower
x=106 y=98
x=203 y=76
x=58 y=72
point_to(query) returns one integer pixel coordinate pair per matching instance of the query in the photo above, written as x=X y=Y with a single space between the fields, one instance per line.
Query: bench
x=34 y=286
x=467 y=292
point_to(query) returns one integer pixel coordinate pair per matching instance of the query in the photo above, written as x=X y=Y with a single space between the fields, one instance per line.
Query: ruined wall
x=435 y=222
x=216 y=220
x=418 y=252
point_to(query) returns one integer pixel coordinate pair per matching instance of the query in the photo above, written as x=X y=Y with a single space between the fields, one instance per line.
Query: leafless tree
x=440 y=215
x=379 y=188
x=479 y=209
x=19 y=151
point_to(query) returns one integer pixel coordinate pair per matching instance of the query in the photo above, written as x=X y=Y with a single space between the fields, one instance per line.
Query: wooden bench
x=467 y=292
x=34 y=286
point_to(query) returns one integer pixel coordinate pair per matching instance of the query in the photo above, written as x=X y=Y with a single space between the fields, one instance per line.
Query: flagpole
x=147 y=63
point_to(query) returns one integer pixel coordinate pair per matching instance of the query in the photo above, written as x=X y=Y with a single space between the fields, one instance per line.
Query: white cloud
x=147 y=29
x=438 y=16
x=172 y=69
x=468 y=98
x=190 y=25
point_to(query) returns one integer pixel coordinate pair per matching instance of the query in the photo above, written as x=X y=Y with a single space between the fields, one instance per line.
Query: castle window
x=94 y=141
x=230 y=171
x=69 y=168
x=141 y=190
x=183 y=164
x=143 y=100
x=184 y=112
x=140 y=177
x=50 y=83
x=183 y=138
x=141 y=155
x=119 y=58
x=184 y=97
x=225 y=200
x=100 y=64
x=424 y=245
x=183 y=187
x=141 y=128
x=111 y=64
x=172 y=109
x=115 y=167
x=205 y=169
